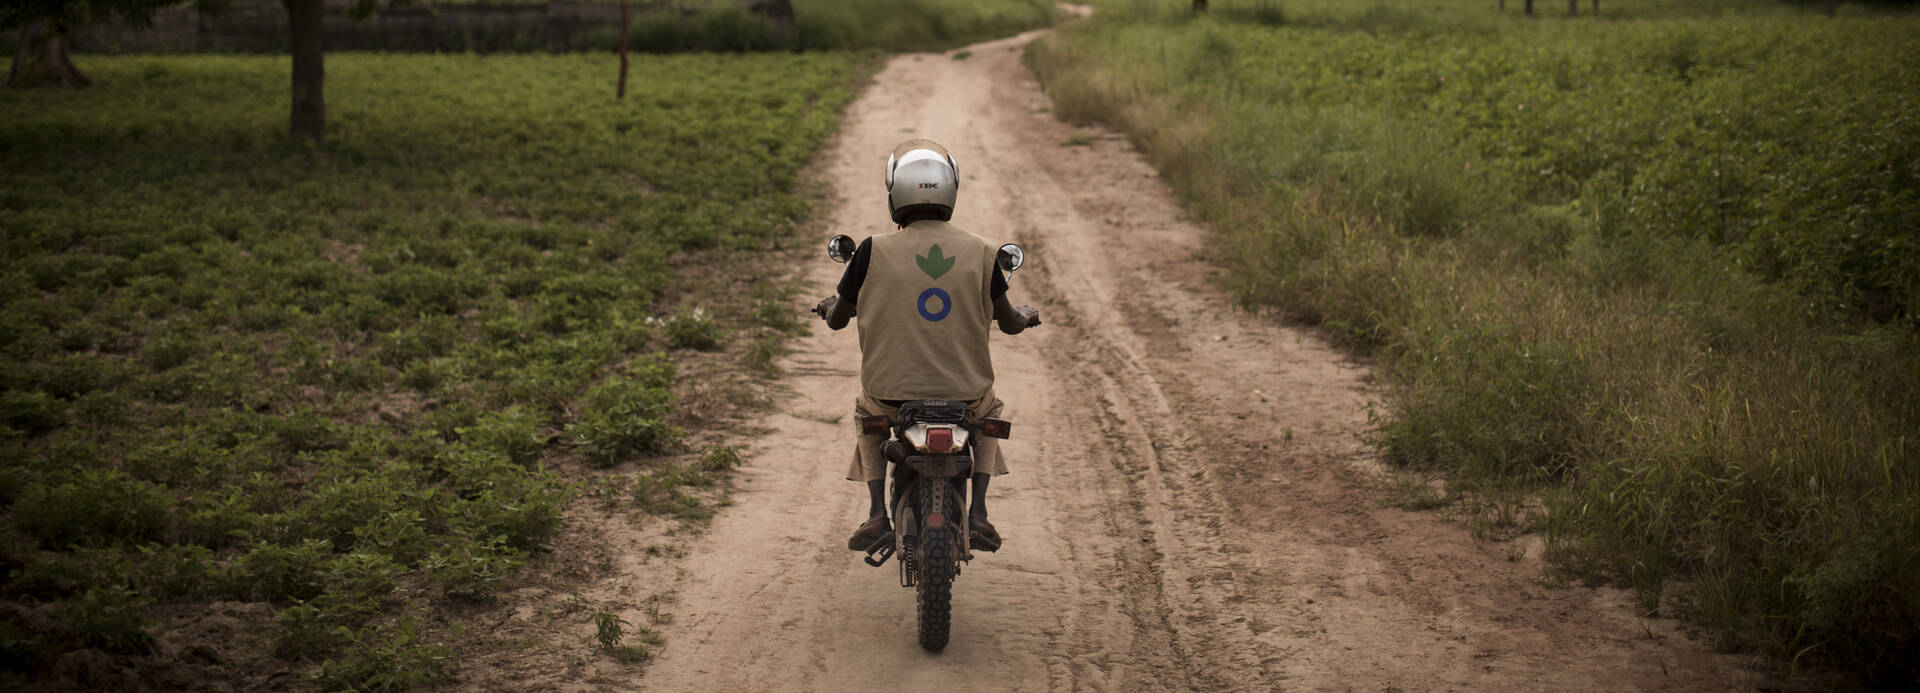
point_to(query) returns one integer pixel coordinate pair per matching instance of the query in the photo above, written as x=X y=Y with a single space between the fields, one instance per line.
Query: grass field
x=1661 y=268
x=362 y=382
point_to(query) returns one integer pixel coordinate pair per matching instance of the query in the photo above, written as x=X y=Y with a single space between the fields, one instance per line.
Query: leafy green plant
x=275 y=571
x=625 y=418
x=306 y=633
x=693 y=329
x=469 y=569
x=95 y=506
x=720 y=458
x=513 y=431
x=610 y=632
x=361 y=580
x=110 y=618
x=395 y=662
x=178 y=571
x=29 y=411
x=761 y=355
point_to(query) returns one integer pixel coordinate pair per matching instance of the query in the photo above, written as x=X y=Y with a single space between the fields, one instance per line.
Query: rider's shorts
x=870 y=465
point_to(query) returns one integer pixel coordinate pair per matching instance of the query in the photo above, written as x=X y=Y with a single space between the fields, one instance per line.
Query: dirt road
x=1190 y=506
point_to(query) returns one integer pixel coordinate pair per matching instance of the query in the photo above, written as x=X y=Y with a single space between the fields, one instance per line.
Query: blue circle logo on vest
x=946 y=304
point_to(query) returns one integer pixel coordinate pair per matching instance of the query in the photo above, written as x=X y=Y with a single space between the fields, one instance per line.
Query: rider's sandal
x=869 y=534
x=985 y=537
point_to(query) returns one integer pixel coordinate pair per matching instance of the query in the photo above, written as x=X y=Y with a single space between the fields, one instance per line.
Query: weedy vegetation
x=1660 y=267
x=610 y=632
x=364 y=382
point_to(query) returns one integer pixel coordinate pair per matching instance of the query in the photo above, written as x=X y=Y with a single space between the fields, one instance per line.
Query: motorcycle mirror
x=840 y=248
x=1010 y=258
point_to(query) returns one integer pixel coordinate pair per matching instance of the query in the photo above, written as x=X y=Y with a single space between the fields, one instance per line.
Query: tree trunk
x=305 y=21
x=1573 y=8
x=41 y=58
x=1832 y=7
x=1529 y=8
x=1199 y=6
x=620 y=92
x=778 y=12
x=1596 y=8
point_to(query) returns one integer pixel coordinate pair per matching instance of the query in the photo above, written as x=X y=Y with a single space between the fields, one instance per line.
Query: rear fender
x=941 y=466
x=952 y=518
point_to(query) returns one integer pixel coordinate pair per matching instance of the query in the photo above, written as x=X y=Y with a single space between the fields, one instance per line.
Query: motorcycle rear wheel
x=933 y=592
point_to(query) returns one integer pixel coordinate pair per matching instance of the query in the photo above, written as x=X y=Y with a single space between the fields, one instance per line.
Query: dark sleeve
x=856 y=275
x=999 y=287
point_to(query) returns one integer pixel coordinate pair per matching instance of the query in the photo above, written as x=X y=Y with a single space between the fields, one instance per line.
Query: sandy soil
x=1193 y=504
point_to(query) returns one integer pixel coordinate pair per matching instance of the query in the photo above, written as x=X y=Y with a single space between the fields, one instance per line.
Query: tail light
x=937 y=439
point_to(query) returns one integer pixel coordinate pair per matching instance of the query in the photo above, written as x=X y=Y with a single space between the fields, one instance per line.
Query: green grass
x=240 y=368
x=1660 y=268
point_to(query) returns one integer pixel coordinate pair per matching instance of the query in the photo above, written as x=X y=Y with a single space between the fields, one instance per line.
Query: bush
x=178 y=571
x=110 y=618
x=305 y=633
x=97 y=506
x=625 y=418
x=400 y=534
x=499 y=498
x=514 y=432
x=30 y=412
x=373 y=663
x=693 y=329
x=469 y=569
x=277 y=572
x=359 y=581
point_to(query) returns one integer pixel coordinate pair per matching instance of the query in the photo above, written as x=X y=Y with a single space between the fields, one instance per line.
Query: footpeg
x=882 y=548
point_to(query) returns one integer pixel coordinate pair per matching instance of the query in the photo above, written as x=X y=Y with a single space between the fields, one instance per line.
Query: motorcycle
x=930 y=447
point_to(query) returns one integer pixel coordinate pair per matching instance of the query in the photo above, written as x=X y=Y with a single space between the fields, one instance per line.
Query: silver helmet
x=921 y=176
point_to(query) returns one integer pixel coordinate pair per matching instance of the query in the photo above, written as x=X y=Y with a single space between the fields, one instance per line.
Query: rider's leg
x=877 y=498
x=985 y=537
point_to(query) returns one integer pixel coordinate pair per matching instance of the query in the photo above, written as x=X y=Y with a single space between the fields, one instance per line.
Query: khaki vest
x=924 y=312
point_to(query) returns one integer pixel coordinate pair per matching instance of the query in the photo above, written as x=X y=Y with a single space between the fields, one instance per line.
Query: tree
x=306 y=24
x=42 y=54
x=620 y=92
x=1199 y=6
x=778 y=12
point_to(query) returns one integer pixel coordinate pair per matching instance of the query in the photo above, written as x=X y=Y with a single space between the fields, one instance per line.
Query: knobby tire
x=933 y=592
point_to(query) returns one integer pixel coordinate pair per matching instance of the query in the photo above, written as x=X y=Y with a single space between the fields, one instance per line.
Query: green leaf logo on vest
x=933 y=263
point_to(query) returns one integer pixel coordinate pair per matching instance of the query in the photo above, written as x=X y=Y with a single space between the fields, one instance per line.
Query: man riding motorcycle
x=926 y=294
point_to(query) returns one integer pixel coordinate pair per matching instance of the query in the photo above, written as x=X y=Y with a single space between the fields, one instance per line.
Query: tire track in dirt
x=1189 y=507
